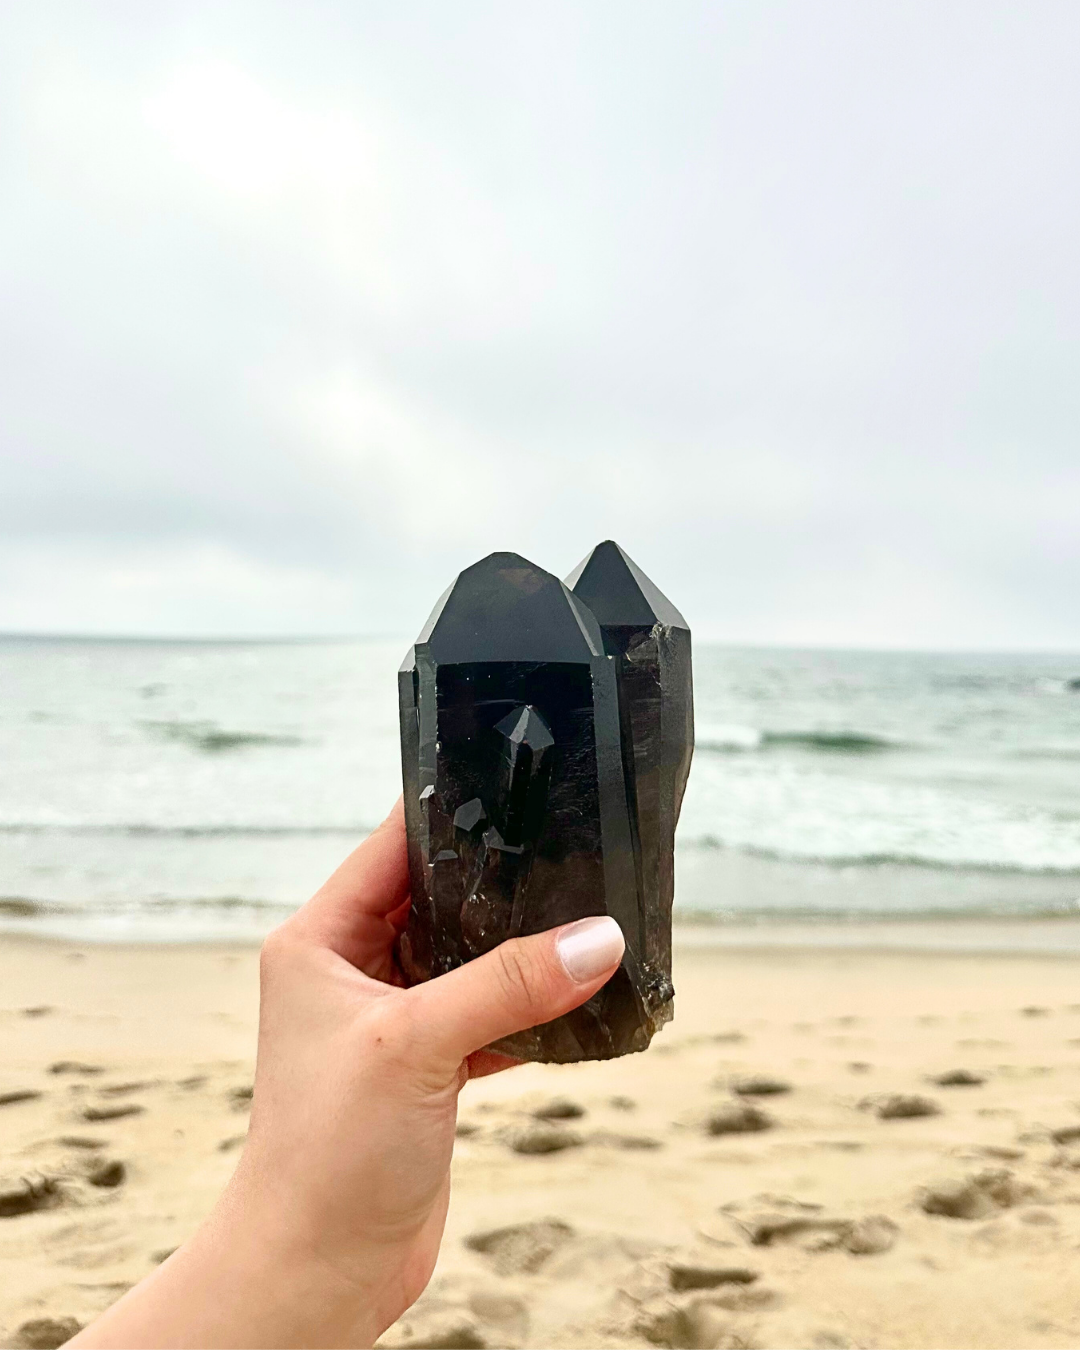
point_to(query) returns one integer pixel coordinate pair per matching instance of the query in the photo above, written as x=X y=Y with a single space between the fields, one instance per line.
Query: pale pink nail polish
x=590 y=947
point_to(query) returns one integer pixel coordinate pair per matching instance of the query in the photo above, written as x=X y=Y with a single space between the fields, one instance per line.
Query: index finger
x=354 y=911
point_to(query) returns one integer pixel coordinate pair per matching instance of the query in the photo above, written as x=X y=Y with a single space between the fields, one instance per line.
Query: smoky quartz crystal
x=546 y=736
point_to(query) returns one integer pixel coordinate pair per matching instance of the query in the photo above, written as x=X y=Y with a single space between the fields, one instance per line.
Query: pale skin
x=331 y=1224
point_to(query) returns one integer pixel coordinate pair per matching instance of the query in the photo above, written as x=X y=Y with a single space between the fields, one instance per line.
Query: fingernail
x=589 y=947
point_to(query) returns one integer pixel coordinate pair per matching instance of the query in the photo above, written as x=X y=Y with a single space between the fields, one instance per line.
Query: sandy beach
x=781 y=1168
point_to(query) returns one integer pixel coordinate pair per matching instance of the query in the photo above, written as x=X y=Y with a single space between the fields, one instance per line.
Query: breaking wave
x=137 y=830
x=736 y=739
x=211 y=739
x=839 y=861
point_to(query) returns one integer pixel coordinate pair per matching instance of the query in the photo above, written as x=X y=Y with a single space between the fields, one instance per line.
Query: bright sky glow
x=305 y=307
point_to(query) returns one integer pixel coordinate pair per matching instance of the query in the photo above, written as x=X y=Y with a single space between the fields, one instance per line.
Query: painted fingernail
x=589 y=947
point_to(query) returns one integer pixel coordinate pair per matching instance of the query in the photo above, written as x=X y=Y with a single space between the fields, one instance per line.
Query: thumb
x=522 y=983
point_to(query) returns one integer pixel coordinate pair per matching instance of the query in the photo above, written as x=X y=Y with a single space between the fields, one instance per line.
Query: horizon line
x=270 y=639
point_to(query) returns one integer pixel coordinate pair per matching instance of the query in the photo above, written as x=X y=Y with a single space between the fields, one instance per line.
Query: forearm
x=241 y=1281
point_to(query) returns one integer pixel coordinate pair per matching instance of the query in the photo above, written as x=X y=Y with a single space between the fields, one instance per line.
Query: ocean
x=164 y=791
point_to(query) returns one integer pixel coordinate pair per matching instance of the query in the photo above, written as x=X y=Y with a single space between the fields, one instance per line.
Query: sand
x=639 y=1226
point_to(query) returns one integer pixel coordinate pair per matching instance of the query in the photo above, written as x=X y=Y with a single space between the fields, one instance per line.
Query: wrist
x=243 y=1279
x=285 y=1287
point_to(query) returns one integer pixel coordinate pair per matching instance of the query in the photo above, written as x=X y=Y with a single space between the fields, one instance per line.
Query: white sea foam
x=790 y=811
x=193 y=783
x=726 y=736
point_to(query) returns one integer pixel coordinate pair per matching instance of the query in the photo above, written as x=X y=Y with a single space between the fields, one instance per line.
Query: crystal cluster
x=546 y=736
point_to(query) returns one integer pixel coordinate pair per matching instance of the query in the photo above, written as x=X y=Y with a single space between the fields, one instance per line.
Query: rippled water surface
x=201 y=790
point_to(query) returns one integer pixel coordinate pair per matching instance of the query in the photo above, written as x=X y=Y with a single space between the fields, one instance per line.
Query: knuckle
x=270 y=951
x=522 y=978
x=275 y=950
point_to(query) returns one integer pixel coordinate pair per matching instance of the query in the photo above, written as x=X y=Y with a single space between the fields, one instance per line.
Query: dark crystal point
x=524 y=801
x=650 y=641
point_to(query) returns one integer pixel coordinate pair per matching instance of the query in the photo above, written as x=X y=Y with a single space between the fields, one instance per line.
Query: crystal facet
x=650 y=641
x=546 y=735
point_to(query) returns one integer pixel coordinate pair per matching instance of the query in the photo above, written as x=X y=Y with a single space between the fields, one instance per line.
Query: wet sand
x=762 y=1176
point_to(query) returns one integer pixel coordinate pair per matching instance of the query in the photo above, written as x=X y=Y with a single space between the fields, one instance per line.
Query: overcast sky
x=305 y=307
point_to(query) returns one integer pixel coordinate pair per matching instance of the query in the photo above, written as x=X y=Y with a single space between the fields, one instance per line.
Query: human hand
x=331 y=1224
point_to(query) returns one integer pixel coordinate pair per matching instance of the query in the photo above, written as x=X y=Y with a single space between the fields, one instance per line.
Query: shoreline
x=1051 y=938
x=1042 y=938
x=734 y=892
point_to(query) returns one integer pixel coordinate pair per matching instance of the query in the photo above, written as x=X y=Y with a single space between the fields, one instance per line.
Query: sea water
x=186 y=790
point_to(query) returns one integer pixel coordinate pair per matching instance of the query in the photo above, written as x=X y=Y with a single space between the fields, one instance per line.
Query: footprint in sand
x=870 y=1236
x=540 y=1137
x=694 y=1319
x=900 y=1106
x=957 y=1078
x=1040 y=1218
x=106 y=1172
x=520 y=1248
x=19 y=1095
x=501 y=1307
x=558 y=1108
x=688 y=1275
x=810 y=1228
x=118 y=1112
x=76 y=1066
x=461 y=1317
x=25 y=1194
x=760 y=1085
x=46 y=1333
x=737 y=1118
x=974 y=1197
x=613 y=1139
x=1000 y=1152
x=434 y=1329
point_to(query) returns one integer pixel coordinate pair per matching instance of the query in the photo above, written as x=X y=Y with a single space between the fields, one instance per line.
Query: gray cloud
x=305 y=307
